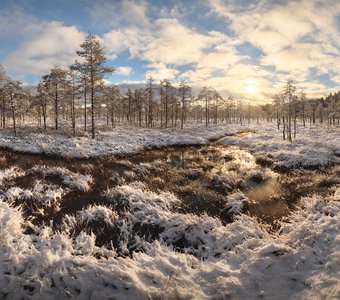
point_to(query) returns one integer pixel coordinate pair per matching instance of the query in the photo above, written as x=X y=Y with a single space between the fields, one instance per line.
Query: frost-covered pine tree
x=288 y=92
x=166 y=87
x=56 y=81
x=15 y=94
x=94 y=60
x=205 y=94
x=149 y=92
x=185 y=93
x=83 y=79
x=42 y=100
x=3 y=81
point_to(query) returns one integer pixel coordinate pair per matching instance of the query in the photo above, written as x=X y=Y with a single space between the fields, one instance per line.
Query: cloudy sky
x=242 y=47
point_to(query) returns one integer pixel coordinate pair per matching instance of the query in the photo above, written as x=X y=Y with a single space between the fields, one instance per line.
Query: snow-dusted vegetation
x=192 y=256
x=120 y=141
x=316 y=147
x=170 y=149
x=189 y=223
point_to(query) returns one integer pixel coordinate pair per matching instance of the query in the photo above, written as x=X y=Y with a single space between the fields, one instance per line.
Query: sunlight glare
x=251 y=89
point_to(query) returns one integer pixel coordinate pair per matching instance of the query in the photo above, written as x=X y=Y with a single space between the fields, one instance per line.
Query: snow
x=74 y=181
x=312 y=147
x=10 y=173
x=239 y=260
x=119 y=141
x=43 y=195
x=236 y=202
x=157 y=251
x=316 y=147
x=96 y=213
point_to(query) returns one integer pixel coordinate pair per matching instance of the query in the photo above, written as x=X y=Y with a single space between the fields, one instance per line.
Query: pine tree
x=42 y=98
x=83 y=78
x=149 y=91
x=205 y=94
x=166 y=87
x=185 y=92
x=3 y=97
x=94 y=58
x=73 y=93
x=56 y=81
x=15 y=93
x=288 y=92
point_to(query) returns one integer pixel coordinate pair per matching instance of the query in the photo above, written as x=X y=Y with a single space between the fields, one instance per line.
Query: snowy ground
x=158 y=251
x=314 y=147
x=317 y=147
x=241 y=260
x=119 y=141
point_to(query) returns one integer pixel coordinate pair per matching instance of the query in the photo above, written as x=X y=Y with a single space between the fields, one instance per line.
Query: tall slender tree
x=166 y=87
x=73 y=94
x=56 y=80
x=185 y=93
x=15 y=93
x=3 y=95
x=288 y=92
x=205 y=94
x=83 y=76
x=43 y=98
x=94 y=59
x=149 y=91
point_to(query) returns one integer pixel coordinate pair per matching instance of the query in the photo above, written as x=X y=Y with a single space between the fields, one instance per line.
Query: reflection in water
x=219 y=171
x=266 y=189
x=202 y=177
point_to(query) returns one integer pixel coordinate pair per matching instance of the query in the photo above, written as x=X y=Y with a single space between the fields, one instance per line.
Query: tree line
x=77 y=93
x=291 y=106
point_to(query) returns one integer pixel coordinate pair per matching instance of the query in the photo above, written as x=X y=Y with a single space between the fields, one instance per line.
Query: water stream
x=203 y=178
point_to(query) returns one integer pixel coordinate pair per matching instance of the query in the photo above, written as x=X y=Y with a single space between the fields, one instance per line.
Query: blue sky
x=233 y=46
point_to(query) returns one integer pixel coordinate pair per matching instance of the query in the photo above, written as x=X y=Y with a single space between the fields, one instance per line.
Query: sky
x=247 y=49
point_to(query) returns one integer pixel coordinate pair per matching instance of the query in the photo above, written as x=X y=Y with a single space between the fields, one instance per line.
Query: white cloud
x=125 y=71
x=131 y=39
x=295 y=36
x=173 y=43
x=43 y=47
x=301 y=58
x=169 y=44
x=160 y=71
x=167 y=41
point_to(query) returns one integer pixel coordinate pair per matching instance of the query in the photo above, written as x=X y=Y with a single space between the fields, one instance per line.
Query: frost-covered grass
x=137 y=243
x=10 y=173
x=240 y=260
x=74 y=181
x=119 y=141
x=314 y=147
x=311 y=148
x=43 y=194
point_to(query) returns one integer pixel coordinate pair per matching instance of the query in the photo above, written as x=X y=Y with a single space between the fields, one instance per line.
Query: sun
x=251 y=89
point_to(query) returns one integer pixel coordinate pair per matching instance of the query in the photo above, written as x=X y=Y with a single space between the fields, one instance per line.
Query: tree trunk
x=206 y=111
x=13 y=116
x=93 y=110
x=56 y=107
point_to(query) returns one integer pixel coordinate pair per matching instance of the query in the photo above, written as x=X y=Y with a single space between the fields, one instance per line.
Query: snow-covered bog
x=241 y=259
x=138 y=244
x=311 y=148
x=118 y=141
